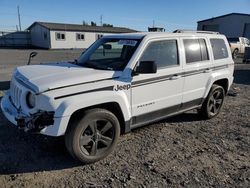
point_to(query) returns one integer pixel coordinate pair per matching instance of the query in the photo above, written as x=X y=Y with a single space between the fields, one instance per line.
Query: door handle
x=207 y=70
x=175 y=77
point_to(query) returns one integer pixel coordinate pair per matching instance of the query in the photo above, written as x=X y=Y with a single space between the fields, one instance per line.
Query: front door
x=157 y=95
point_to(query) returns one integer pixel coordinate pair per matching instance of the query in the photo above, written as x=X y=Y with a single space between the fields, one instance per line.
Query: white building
x=231 y=25
x=67 y=36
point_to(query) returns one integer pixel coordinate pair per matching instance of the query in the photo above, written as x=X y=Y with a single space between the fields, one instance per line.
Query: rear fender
x=225 y=74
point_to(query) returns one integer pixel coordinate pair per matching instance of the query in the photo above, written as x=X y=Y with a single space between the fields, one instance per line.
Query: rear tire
x=212 y=105
x=93 y=137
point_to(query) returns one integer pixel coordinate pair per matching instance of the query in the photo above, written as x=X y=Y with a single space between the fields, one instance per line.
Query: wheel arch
x=75 y=104
x=221 y=81
x=113 y=107
x=235 y=50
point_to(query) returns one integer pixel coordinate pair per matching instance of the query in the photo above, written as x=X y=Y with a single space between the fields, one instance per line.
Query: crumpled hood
x=55 y=75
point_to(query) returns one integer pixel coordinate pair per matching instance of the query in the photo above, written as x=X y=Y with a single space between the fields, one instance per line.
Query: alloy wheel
x=97 y=137
x=215 y=102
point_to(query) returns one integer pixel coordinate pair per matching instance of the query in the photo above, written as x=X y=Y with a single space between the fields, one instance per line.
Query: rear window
x=195 y=50
x=219 y=48
x=233 y=40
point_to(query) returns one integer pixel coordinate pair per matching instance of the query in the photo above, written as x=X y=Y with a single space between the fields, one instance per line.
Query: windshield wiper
x=88 y=65
x=96 y=66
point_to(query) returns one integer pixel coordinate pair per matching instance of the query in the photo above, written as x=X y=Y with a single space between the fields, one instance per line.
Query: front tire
x=93 y=137
x=212 y=105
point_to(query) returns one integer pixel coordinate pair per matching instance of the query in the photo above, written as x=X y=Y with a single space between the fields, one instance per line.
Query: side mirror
x=146 y=67
x=32 y=55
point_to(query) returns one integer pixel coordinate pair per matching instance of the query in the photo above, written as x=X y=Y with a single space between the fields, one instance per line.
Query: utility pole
x=101 y=20
x=19 y=18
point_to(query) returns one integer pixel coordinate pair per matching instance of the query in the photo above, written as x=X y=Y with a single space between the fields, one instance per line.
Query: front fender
x=71 y=104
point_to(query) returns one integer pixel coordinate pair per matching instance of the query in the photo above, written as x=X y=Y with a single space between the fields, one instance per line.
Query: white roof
x=140 y=35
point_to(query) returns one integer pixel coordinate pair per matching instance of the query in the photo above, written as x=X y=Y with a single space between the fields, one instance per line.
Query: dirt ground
x=183 y=151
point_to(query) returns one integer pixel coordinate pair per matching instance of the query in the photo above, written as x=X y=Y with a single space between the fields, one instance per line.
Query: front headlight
x=31 y=100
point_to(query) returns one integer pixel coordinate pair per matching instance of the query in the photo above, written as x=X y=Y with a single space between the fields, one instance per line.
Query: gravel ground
x=183 y=151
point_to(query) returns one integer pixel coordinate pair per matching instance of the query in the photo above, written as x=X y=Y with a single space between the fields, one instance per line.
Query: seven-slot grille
x=15 y=93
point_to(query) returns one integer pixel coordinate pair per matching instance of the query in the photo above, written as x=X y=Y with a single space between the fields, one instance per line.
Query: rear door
x=157 y=95
x=197 y=69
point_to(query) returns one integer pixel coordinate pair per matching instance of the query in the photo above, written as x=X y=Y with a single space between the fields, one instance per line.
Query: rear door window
x=204 y=52
x=195 y=50
x=219 y=49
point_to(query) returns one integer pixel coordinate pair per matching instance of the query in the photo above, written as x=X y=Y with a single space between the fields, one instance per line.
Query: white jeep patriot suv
x=119 y=83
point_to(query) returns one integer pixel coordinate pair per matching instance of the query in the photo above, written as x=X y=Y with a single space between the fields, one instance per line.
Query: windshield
x=109 y=54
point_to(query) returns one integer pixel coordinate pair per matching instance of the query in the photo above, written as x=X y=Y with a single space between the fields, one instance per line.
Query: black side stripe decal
x=153 y=80
x=109 y=88
x=144 y=82
x=168 y=77
x=82 y=83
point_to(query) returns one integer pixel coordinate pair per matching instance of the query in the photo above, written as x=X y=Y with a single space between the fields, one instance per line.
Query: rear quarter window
x=219 y=48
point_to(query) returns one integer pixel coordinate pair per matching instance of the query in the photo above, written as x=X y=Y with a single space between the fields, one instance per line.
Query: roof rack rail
x=193 y=31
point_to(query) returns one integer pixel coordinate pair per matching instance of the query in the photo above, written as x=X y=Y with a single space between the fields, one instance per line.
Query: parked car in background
x=238 y=45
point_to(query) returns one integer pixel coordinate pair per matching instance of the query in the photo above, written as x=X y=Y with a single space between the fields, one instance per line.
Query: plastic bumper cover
x=33 y=123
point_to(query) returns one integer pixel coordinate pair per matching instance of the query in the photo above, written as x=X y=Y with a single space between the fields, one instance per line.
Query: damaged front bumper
x=29 y=123
x=35 y=122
